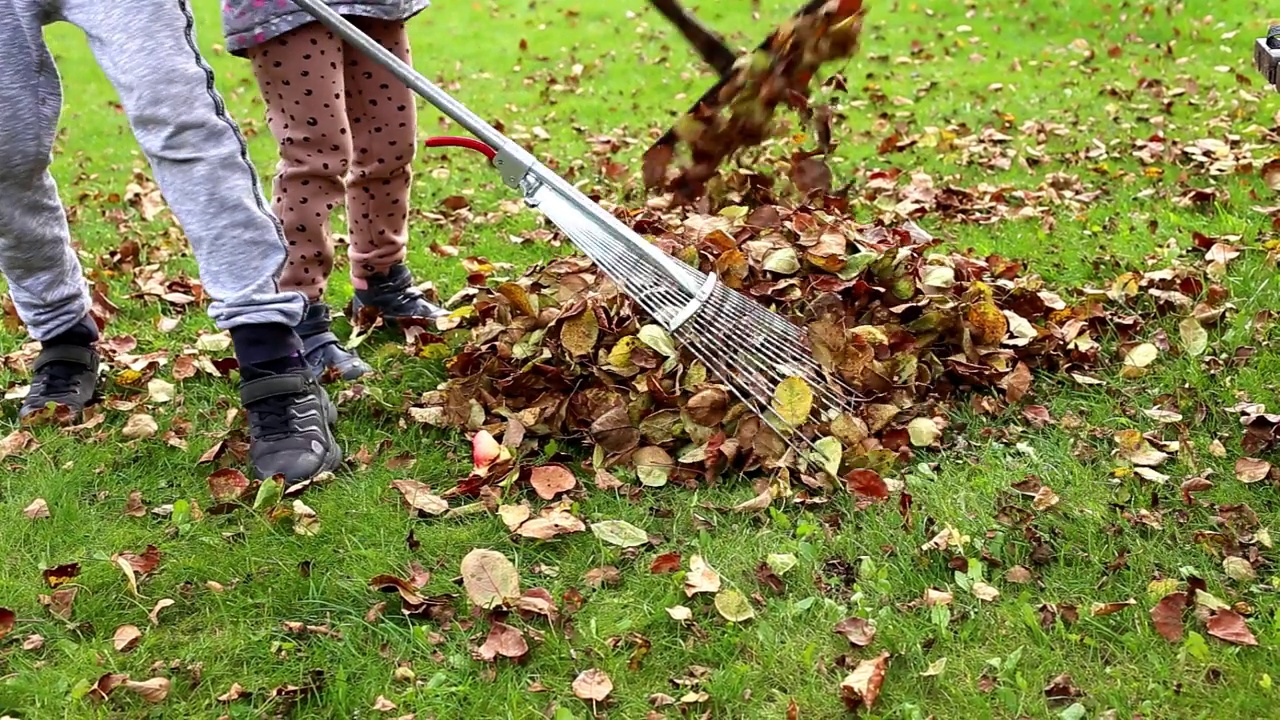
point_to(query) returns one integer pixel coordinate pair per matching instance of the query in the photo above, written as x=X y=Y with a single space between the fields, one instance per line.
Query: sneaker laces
x=60 y=378
x=269 y=418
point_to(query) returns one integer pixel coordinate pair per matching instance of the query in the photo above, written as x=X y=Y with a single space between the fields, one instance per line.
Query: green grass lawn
x=1074 y=84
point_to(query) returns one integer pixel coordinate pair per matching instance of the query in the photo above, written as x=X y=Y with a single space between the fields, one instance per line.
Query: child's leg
x=383 y=129
x=148 y=51
x=44 y=276
x=300 y=76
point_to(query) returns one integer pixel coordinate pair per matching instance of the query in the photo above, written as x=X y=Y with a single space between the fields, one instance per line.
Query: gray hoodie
x=248 y=23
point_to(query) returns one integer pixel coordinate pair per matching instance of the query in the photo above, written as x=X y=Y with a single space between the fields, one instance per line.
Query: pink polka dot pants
x=346 y=130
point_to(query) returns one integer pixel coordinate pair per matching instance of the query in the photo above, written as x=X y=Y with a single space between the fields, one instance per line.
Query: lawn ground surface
x=1076 y=88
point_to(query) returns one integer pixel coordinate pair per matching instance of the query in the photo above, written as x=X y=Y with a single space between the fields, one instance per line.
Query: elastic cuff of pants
x=262 y=343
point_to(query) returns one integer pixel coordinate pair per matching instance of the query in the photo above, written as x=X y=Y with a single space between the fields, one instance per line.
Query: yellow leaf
x=989 y=325
x=620 y=355
x=519 y=298
x=793 y=400
x=579 y=333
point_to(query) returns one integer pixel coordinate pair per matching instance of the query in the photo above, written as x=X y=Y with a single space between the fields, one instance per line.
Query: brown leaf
x=55 y=576
x=37 y=510
x=665 y=563
x=7 y=620
x=1252 y=470
x=593 y=685
x=126 y=638
x=489 y=578
x=1100 y=609
x=867 y=483
x=505 y=641
x=861 y=687
x=420 y=498
x=133 y=506
x=391 y=583
x=1017 y=383
x=59 y=604
x=105 y=685
x=236 y=692
x=1018 y=574
x=1230 y=626
x=227 y=485
x=1061 y=690
x=856 y=630
x=145 y=563
x=154 y=690
x=161 y=604
x=16 y=443
x=551 y=480
x=701 y=578
x=1167 y=615
x=32 y=643
x=382 y=704
x=606 y=576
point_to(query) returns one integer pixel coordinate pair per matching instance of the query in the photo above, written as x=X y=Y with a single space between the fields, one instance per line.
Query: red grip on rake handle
x=463 y=142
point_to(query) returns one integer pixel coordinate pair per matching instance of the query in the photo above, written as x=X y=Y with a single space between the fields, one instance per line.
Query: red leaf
x=867 y=483
x=551 y=480
x=1167 y=615
x=1229 y=626
x=665 y=563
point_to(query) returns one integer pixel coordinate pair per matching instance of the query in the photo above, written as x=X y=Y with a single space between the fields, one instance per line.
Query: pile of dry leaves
x=560 y=353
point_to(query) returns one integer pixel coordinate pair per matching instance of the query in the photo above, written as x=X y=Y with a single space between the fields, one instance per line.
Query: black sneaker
x=291 y=426
x=323 y=350
x=394 y=296
x=63 y=375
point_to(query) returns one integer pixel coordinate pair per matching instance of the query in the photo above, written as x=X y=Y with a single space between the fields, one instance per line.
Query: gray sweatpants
x=148 y=51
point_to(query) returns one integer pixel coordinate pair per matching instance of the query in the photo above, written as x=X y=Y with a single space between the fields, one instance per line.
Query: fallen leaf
x=37 y=510
x=505 y=641
x=32 y=643
x=592 y=685
x=701 y=578
x=227 y=485
x=7 y=620
x=133 y=506
x=126 y=638
x=60 y=602
x=235 y=692
x=551 y=480
x=105 y=685
x=489 y=578
x=161 y=604
x=1195 y=339
x=1230 y=626
x=154 y=690
x=861 y=687
x=139 y=427
x=305 y=520
x=680 y=613
x=17 y=442
x=1045 y=499
x=793 y=401
x=1252 y=470
x=935 y=668
x=665 y=563
x=923 y=432
x=620 y=533
x=420 y=498
x=1238 y=569
x=1167 y=615
x=983 y=591
x=856 y=630
x=1018 y=574
x=733 y=606
x=934 y=597
x=159 y=391
x=1102 y=609
x=867 y=483
x=382 y=704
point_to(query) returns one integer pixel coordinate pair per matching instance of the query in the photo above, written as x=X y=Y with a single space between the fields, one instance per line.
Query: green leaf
x=780 y=563
x=733 y=606
x=783 y=261
x=793 y=400
x=829 y=453
x=1196 y=647
x=620 y=533
x=653 y=465
x=1075 y=711
x=922 y=431
x=1195 y=340
x=658 y=339
x=269 y=493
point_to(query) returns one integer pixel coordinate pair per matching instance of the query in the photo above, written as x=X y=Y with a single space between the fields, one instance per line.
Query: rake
x=748 y=347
